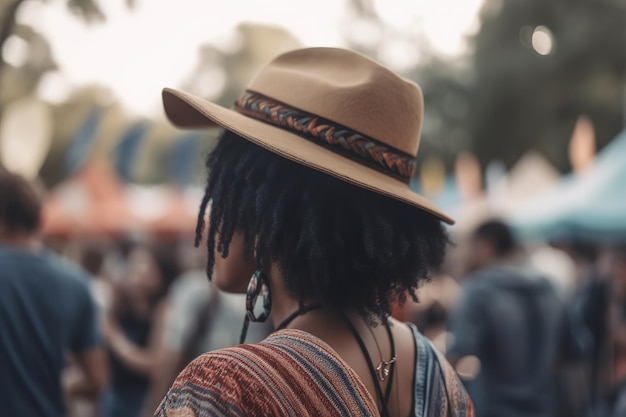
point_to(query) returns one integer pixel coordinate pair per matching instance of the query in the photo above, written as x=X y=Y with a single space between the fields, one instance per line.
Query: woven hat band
x=333 y=136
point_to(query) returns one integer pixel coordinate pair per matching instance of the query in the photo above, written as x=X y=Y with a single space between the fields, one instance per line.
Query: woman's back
x=307 y=205
x=293 y=373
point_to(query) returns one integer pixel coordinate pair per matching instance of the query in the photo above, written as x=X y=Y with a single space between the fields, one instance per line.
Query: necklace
x=384 y=368
x=384 y=399
x=303 y=309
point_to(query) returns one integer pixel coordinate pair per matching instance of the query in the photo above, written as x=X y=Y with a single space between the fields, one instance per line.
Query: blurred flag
x=496 y=181
x=125 y=152
x=468 y=176
x=582 y=145
x=432 y=176
x=183 y=157
x=83 y=141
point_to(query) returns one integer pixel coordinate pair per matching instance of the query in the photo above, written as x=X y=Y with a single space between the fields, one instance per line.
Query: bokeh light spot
x=542 y=40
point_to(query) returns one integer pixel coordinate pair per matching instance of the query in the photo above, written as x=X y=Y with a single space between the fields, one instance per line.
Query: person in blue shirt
x=46 y=314
x=509 y=323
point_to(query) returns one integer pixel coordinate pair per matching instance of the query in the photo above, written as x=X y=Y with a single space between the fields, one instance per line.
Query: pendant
x=384 y=368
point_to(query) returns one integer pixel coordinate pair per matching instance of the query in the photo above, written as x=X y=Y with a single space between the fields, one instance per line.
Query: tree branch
x=7 y=27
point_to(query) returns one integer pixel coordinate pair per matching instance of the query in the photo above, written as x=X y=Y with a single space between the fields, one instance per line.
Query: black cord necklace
x=384 y=399
x=299 y=312
x=389 y=366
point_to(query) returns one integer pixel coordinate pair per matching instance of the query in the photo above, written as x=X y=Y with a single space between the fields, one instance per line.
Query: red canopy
x=165 y=210
x=90 y=202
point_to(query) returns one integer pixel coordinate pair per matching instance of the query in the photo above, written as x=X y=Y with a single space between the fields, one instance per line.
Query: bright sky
x=137 y=52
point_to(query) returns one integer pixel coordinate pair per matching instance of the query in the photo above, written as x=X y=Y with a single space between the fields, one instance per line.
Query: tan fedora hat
x=332 y=110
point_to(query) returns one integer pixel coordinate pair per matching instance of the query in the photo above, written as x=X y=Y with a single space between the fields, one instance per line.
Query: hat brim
x=188 y=111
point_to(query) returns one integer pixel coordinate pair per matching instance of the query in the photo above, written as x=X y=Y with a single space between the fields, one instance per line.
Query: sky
x=137 y=52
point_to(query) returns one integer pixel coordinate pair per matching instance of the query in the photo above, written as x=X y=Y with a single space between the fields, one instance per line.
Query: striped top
x=293 y=373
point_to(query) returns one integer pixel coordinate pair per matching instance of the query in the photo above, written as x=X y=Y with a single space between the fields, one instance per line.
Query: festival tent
x=164 y=210
x=469 y=205
x=91 y=202
x=531 y=175
x=589 y=205
x=95 y=202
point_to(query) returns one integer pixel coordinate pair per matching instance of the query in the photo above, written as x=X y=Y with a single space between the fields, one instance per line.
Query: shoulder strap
x=203 y=321
x=425 y=368
x=432 y=376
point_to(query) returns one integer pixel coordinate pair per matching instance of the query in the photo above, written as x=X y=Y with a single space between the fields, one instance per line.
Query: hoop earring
x=258 y=290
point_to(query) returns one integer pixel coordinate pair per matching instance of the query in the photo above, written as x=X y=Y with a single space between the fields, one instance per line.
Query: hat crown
x=349 y=89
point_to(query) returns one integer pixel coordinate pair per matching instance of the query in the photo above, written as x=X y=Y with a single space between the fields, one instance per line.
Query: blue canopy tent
x=590 y=205
x=447 y=198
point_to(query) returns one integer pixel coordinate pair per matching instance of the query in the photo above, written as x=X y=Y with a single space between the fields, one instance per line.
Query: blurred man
x=46 y=312
x=591 y=304
x=200 y=318
x=617 y=322
x=507 y=326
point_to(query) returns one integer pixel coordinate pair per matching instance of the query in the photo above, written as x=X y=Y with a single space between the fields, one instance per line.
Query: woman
x=133 y=329
x=308 y=194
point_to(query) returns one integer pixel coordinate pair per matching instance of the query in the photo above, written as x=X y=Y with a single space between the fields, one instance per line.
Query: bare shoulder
x=405 y=343
x=402 y=333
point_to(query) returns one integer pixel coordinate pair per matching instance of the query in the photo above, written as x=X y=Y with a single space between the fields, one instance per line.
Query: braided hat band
x=333 y=136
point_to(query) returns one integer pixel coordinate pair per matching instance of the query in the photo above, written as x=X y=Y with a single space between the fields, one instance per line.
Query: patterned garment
x=293 y=373
x=438 y=390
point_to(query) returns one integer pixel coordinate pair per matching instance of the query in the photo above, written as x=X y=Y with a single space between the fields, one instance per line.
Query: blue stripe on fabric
x=262 y=374
x=424 y=363
x=326 y=385
x=198 y=392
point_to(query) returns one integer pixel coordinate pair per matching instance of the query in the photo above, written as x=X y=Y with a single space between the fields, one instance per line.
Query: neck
x=21 y=240
x=323 y=322
x=283 y=304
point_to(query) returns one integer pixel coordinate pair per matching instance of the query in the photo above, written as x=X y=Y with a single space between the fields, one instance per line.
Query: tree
x=20 y=81
x=446 y=84
x=447 y=89
x=87 y=10
x=221 y=74
x=505 y=98
x=522 y=99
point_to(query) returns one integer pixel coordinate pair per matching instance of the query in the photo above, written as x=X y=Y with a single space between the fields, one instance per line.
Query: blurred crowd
x=110 y=322
x=158 y=312
x=532 y=330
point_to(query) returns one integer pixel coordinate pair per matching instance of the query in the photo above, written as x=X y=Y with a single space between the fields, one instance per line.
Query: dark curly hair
x=333 y=242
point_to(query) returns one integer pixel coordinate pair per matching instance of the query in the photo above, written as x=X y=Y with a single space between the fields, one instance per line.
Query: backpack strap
x=203 y=322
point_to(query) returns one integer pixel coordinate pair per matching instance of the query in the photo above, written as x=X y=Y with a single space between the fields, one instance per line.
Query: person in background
x=134 y=327
x=199 y=318
x=506 y=329
x=591 y=302
x=617 y=325
x=46 y=313
x=92 y=258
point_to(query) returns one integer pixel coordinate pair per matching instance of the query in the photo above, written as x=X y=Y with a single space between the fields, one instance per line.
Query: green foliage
x=521 y=99
x=505 y=98
x=87 y=10
x=19 y=82
x=222 y=73
x=447 y=89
